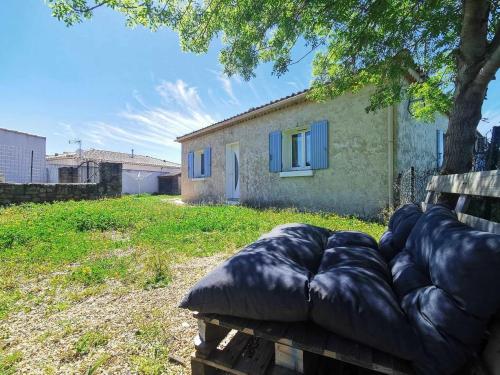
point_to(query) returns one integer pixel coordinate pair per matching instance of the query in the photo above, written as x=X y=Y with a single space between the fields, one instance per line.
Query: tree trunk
x=471 y=82
x=461 y=134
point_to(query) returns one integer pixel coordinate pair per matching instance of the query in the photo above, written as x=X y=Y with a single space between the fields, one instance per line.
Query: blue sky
x=118 y=88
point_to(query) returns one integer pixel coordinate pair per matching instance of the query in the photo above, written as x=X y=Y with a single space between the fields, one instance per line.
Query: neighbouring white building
x=140 y=173
x=22 y=157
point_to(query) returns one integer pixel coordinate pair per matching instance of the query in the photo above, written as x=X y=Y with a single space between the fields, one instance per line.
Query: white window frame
x=287 y=150
x=198 y=160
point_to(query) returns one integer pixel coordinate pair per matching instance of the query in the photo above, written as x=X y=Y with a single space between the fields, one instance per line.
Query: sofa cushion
x=351 y=238
x=268 y=280
x=448 y=279
x=400 y=225
x=352 y=296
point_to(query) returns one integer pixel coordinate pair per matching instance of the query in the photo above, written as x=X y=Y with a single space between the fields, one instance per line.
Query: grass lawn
x=60 y=261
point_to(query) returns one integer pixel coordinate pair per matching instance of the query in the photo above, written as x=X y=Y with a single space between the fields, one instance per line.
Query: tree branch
x=489 y=69
x=492 y=64
x=495 y=42
x=474 y=30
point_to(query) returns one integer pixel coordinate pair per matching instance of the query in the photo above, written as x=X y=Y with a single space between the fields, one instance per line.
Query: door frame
x=232 y=192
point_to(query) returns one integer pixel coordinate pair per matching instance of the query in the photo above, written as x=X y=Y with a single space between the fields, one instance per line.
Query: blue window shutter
x=191 y=165
x=319 y=145
x=208 y=161
x=275 y=151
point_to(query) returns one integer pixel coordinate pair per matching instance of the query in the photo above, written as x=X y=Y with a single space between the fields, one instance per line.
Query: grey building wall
x=416 y=141
x=356 y=182
x=15 y=157
x=360 y=178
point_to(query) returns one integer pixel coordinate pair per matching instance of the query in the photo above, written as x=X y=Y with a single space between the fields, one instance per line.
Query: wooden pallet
x=283 y=348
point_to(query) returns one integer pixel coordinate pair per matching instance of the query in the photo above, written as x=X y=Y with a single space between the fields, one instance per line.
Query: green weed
x=8 y=362
x=98 y=363
x=89 y=341
x=96 y=272
x=157 y=269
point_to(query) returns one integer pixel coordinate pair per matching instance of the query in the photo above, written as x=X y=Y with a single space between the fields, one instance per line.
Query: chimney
x=132 y=155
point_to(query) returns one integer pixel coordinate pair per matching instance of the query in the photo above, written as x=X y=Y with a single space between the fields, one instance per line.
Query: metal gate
x=88 y=171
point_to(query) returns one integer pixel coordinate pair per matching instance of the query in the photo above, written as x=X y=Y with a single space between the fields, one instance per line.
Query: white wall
x=135 y=182
x=15 y=157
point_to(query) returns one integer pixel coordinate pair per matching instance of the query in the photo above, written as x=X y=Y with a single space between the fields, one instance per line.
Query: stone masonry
x=110 y=185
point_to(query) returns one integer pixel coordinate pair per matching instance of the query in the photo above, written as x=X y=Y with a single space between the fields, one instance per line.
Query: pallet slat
x=478 y=223
x=231 y=353
x=311 y=338
x=485 y=184
x=257 y=357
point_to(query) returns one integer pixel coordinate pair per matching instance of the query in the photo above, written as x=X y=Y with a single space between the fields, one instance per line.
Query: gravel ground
x=142 y=328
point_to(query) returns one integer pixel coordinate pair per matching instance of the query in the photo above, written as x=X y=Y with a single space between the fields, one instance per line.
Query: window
x=199 y=164
x=202 y=164
x=297 y=149
x=297 y=152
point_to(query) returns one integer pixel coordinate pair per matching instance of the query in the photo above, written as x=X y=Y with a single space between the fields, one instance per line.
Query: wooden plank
x=272 y=330
x=256 y=358
x=364 y=354
x=357 y=354
x=200 y=368
x=289 y=357
x=336 y=347
x=491 y=354
x=209 y=332
x=462 y=203
x=479 y=224
x=214 y=366
x=485 y=184
x=247 y=326
x=278 y=370
x=229 y=355
x=244 y=355
x=209 y=336
x=308 y=337
x=311 y=338
x=383 y=362
x=402 y=367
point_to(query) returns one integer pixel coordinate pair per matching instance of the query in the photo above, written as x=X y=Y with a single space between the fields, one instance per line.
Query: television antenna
x=79 y=143
x=139 y=177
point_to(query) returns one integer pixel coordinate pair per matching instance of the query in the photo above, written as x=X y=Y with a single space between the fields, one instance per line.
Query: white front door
x=233 y=171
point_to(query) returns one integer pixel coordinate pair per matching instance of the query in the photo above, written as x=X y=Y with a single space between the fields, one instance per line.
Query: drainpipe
x=390 y=153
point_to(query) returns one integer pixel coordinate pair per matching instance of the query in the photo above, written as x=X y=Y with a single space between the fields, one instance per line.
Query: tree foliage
x=446 y=46
x=355 y=42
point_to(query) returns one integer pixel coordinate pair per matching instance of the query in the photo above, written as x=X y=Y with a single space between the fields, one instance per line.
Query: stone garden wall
x=110 y=185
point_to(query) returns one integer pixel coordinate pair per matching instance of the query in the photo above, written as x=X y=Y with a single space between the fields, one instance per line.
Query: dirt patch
x=176 y=201
x=138 y=329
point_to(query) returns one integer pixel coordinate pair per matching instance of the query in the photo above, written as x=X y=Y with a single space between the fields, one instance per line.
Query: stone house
x=293 y=152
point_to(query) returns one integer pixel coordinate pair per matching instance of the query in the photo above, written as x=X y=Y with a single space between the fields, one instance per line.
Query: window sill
x=198 y=178
x=302 y=173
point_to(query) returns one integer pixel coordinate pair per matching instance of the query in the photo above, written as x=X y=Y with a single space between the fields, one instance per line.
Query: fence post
x=492 y=160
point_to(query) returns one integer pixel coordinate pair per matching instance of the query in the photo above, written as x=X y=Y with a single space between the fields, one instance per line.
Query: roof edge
x=250 y=114
x=23 y=133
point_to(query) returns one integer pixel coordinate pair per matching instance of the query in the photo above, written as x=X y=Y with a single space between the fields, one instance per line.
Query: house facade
x=140 y=174
x=22 y=157
x=330 y=156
